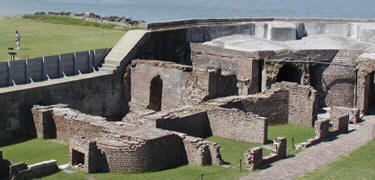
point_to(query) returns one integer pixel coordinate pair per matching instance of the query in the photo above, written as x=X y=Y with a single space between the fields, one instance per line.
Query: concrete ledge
x=203 y=21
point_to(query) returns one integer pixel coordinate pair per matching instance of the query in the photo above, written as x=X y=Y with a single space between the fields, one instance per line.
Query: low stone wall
x=24 y=171
x=339 y=126
x=253 y=158
x=352 y=112
x=236 y=124
x=71 y=123
x=200 y=152
x=302 y=103
x=272 y=104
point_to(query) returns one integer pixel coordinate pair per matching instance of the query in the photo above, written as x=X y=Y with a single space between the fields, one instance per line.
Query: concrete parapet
x=282 y=31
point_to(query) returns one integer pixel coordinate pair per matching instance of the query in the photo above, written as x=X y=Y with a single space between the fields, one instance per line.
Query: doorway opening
x=156 y=92
x=289 y=73
x=78 y=158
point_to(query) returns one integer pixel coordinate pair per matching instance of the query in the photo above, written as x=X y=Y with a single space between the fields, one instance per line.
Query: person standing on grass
x=18 y=40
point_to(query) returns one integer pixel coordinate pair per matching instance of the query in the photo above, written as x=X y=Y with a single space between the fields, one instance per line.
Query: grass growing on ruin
x=299 y=133
x=43 y=39
x=36 y=150
x=74 y=21
x=358 y=164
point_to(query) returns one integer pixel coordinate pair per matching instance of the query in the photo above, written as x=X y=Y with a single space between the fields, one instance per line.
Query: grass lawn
x=36 y=150
x=42 y=39
x=358 y=164
x=232 y=151
x=299 y=133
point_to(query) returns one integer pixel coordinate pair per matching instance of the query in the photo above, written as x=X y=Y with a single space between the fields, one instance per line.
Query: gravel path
x=317 y=155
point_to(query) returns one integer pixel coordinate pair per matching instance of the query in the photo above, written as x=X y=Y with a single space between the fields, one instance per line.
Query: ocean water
x=160 y=10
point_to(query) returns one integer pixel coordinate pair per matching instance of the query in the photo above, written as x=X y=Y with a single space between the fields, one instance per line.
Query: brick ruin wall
x=272 y=104
x=366 y=67
x=236 y=124
x=253 y=158
x=11 y=170
x=340 y=125
x=353 y=113
x=336 y=84
x=200 y=152
x=240 y=64
x=182 y=85
x=302 y=103
x=105 y=147
x=189 y=121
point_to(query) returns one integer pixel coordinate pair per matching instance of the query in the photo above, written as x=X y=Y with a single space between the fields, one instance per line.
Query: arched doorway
x=289 y=73
x=156 y=92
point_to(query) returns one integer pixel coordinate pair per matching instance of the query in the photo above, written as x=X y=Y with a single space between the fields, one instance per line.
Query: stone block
x=43 y=168
x=282 y=31
x=322 y=129
x=340 y=124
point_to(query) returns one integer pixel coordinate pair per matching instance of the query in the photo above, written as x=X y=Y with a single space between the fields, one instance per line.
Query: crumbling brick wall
x=336 y=84
x=236 y=124
x=253 y=158
x=302 y=103
x=74 y=123
x=272 y=104
x=200 y=152
x=190 y=121
x=44 y=124
x=241 y=64
x=352 y=112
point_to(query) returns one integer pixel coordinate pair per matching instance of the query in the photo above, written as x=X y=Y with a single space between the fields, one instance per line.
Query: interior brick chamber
x=302 y=103
x=182 y=85
x=188 y=120
x=98 y=145
x=238 y=63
